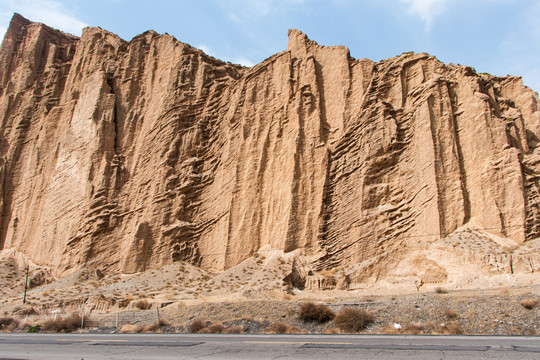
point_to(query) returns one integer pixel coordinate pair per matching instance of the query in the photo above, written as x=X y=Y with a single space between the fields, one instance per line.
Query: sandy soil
x=253 y=296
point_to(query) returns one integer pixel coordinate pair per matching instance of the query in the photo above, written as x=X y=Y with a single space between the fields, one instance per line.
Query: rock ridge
x=129 y=155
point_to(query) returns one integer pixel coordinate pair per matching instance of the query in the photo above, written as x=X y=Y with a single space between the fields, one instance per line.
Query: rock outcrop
x=132 y=155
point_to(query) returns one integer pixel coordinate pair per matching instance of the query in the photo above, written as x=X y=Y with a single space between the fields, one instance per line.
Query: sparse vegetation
x=451 y=329
x=235 y=330
x=315 y=312
x=529 y=303
x=389 y=330
x=296 y=330
x=213 y=329
x=352 y=319
x=155 y=326
x=332 y=331
x=278 y=328
x=67 y=324
x=197 y=326
x=131 y=329
x=143 y=305
x=501 y=310
x=8 y=324
x=413 y=329
x=34 y=329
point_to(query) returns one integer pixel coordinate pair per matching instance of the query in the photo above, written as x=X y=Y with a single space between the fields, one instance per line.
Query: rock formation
x=132 y=155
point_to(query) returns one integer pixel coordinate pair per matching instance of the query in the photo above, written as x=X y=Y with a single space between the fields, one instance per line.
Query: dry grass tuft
x=332 y=331
x=296 y=330
x=196 y=326
x=213 y=329
x=155 y=326
x=450 y=314
x=66 y=325
x=389 y=330
x=8 y=324
x=314 y=312
x=413 y=329
x=352 y=319
x=278 y=328
x=235 y=330
x=528 y=303
x=131 y=329
x=143 y=305
x=451 y=329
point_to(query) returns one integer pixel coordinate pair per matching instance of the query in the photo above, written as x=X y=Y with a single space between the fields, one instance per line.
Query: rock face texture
x=132 y=155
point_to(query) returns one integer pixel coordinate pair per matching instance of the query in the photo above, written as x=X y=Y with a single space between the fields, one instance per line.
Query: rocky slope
x=131 y=155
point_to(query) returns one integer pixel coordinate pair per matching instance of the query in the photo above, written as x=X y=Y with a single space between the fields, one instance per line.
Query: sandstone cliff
x=132 y=155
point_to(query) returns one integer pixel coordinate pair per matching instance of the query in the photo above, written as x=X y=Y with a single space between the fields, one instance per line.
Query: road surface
x=260 y=347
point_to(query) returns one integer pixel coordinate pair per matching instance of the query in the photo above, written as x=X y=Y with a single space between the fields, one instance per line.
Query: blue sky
x=495 y=36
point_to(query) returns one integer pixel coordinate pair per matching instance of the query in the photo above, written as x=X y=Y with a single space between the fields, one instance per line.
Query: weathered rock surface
x=131 y=155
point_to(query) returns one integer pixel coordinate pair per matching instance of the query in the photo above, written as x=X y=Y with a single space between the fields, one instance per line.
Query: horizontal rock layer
x=132 y=155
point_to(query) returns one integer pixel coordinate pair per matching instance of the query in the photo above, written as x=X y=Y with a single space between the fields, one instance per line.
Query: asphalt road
x=313 y=347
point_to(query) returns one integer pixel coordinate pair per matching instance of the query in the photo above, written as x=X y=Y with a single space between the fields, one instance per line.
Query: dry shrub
x=278 y=328
x=131 y=329
x=235 y=330
x=450 y=314
x=213 y=329
x=197 y=326
x=143 y=305
x=441 y=290
x=451 y=329
x=67 y=324
x=151 y=327
x=296 y=330
x=389 y=330
x=351 y=319
x=413 y=329
x=155 y=326
x=314 y=312
x=8 y=324
x=528 y=303
x=332 y=331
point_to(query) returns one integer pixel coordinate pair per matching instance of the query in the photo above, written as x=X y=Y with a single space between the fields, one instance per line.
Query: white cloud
x=427 y=10
x=50 y=12
x=240 y=10
x=2 y=31
x=207 y=50
x=243 y=61
x=517 y=53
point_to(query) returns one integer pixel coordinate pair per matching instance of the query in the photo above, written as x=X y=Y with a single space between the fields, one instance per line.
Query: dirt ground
x=253 y=298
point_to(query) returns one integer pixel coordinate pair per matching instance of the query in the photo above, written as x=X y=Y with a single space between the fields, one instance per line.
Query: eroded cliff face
x=131 y=155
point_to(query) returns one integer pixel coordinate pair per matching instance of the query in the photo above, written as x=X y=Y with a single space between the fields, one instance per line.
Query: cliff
x=131 y=155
